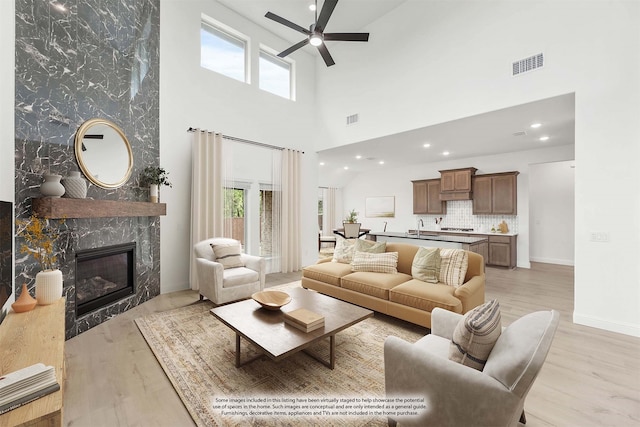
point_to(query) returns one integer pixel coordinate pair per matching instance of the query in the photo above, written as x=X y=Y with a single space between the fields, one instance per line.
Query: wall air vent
x=352 y=119
x=528 y=64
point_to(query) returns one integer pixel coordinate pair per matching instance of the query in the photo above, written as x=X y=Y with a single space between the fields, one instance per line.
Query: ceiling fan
x=316 y=35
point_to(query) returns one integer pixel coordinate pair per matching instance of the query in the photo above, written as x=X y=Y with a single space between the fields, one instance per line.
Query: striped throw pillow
x=228 y=254
x=475 y=335
x=386 y=262
x=426 y=265
x=453 y=266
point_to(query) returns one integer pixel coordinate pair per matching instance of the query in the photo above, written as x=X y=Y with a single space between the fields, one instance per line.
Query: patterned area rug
x=197 y=353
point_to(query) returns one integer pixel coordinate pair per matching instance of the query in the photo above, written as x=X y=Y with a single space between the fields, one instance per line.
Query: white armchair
x=457 y=395
x=220 y=285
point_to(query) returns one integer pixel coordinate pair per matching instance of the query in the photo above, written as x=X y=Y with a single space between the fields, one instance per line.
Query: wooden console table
x=28 y=338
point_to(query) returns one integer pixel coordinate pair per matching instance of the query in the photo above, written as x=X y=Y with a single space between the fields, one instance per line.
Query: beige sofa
x=399 y=294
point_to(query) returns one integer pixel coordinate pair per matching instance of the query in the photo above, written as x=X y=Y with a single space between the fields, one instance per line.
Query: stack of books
x=303 y=319
x=26 y=385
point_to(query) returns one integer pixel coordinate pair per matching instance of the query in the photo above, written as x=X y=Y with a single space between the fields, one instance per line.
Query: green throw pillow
x=426 y=265
x=369 y=246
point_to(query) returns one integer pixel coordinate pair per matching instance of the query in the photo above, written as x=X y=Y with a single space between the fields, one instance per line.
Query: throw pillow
x=343 y=251
x=386 y=262
x=426 y=265
x=453 y=266
x=228 y=254
x=370 y=246
x=475 y=335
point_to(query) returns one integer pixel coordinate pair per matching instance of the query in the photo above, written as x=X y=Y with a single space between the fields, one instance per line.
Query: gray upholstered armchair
x=457 y=395
x=222 y=285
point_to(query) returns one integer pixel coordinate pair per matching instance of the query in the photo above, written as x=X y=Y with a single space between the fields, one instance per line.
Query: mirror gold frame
x=103 y=153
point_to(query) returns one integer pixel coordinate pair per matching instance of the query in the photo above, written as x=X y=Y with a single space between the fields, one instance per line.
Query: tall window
x=234 y=206
x=223 y=52
x=275 y=75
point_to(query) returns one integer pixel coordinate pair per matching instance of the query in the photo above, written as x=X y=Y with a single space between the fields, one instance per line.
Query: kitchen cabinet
x=482 y=249
x=495 y=194
x=502 y=251
x=426 y=197
x=456 y=184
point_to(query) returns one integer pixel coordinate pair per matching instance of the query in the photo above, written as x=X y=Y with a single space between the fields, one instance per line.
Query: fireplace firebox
x=104 y=275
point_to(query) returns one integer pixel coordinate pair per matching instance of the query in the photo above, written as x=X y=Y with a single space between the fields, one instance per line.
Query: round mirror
x=103 y=153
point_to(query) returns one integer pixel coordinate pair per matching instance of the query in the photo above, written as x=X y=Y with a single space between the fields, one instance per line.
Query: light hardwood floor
x=591 y=377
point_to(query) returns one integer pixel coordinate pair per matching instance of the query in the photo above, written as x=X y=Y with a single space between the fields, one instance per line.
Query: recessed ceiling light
x=544 y=138
x=312 y=7
x=445 y=153
x=381 y=162
x=321 y=163
x=536 y=125
x=346 y=168
x=358 y=157
x=426 y=145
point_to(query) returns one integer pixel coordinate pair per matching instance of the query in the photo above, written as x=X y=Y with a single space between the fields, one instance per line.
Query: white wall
x=552 y=212
x=194 y=97
x=7 y=99
x=452 y=60
x=397 y=183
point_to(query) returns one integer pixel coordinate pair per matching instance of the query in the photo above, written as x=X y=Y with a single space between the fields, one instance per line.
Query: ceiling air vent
x=520 y=133
x=352 y=119
x=528 y=64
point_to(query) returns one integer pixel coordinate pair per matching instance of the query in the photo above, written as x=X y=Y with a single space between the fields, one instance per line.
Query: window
x=223 y=52
x=234 y=218
x=275 y=75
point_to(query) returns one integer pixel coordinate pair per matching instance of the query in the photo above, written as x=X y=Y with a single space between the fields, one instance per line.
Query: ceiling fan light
x=315 y=40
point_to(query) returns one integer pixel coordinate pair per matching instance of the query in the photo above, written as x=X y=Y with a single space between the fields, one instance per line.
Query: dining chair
x=351 y=230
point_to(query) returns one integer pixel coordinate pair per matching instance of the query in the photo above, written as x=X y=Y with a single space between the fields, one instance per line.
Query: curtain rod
x=245 y=141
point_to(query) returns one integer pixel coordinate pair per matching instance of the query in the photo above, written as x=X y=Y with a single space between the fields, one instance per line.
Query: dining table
x=340 y=232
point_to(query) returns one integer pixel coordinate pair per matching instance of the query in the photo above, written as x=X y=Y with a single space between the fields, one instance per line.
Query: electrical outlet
x=599 y=236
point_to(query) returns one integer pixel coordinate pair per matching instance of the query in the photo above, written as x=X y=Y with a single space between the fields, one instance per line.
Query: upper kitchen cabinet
x=455 y=184
x=495 y=194
x=426 y=197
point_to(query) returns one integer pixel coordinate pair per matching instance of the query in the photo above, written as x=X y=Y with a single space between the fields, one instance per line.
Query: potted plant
x=39 y=240
x=352 y=217
x=152 y=177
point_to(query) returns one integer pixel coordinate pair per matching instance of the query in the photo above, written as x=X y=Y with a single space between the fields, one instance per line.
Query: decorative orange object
x=25 y=302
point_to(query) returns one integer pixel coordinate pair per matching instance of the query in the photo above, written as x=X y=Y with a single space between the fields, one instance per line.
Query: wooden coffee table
x=266 y=329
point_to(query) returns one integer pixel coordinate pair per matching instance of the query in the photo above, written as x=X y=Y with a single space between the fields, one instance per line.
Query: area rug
x=197 y=353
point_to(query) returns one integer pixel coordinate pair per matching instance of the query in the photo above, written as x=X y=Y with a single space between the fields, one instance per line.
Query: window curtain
x=287 y=210
x=207 y=190
x=328 y=211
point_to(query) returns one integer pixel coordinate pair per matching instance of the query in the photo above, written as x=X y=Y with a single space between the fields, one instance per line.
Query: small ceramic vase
x=25 y=302
x=75 y=186
x=48 y=286
x=153 y=193
x=51 y=187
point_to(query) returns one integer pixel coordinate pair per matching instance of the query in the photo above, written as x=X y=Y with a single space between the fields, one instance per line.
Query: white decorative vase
x=153 y=193
x=75 y=186
x=48 y=286
x=51 y=186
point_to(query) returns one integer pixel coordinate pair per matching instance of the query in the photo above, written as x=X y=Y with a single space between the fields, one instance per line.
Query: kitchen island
x=478 y=244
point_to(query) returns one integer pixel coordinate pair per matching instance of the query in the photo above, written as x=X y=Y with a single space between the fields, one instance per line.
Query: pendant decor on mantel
x=51 y=187
x=48 y=286
x=25 y=302
x=75 y=186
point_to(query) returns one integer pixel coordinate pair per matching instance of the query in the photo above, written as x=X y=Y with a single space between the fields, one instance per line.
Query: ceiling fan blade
x=347 y=37
x=326 y=55
x=325 y=14
x=287 y=23
x=293 y=48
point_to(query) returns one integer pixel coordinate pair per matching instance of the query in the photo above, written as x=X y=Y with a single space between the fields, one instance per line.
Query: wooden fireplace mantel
x=55 y=207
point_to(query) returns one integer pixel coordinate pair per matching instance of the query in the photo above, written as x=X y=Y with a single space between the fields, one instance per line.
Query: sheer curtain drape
x=207 y=186
x=289 y=210
x=328 y=210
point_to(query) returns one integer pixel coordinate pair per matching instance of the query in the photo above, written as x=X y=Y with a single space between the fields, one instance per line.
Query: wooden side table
x=28 y=338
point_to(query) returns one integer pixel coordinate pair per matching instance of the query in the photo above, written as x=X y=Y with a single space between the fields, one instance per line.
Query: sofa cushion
x=453 y=266
x=374 y=284
x=425 y=296
x=426 y=265
x=343 y=251
x=375 y=262
x=327 y=272
x=228 y=254
x=475 y=335
x=370 y=246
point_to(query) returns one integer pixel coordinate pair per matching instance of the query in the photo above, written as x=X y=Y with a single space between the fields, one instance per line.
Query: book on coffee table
x=303 y=319
x=26 y=385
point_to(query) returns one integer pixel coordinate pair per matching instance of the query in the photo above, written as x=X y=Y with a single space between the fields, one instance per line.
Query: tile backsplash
x=459 y=215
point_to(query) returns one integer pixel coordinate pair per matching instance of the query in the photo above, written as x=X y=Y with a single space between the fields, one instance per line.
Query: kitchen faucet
x=420 y=223
x=385 y=227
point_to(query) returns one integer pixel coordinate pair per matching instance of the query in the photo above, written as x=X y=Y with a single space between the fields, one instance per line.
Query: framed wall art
x=380 y=207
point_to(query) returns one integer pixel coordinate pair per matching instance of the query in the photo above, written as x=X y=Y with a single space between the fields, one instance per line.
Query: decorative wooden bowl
x=271 y=300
